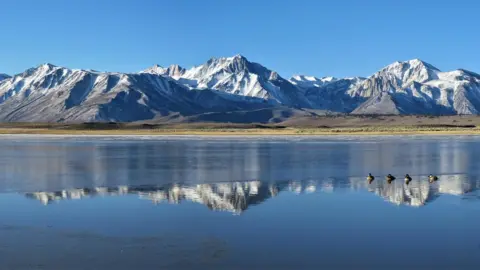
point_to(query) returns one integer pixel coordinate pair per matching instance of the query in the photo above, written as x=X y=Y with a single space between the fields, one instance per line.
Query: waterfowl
x=370 y=178
x=390 y=178
x=407 y=179
x=432 y=178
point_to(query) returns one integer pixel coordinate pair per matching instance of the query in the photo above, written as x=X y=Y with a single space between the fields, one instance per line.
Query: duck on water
x=408 y=179
x=431 y=178
x=390 y=178
x=370 y=178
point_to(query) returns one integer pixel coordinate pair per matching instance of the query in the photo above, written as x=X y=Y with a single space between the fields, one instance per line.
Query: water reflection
x=236 y=197
x=62 y=164
x=336 y=212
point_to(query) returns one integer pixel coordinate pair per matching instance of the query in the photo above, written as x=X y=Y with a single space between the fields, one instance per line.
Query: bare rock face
x=380 y=103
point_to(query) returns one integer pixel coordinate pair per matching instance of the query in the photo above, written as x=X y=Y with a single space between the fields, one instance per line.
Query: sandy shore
x=245 y=132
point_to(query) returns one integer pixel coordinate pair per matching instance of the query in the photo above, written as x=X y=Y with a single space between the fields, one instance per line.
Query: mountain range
x=230 y=89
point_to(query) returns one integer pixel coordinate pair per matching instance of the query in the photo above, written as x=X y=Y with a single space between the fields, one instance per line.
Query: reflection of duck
x=370 y=178
x=432 y=178
x=390 y=178
x=408 y=179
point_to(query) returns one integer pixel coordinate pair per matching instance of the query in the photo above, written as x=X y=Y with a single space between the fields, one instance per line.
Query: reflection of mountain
x=417 y=193
x=236 y=197
x=58 y=164
x=233 y=197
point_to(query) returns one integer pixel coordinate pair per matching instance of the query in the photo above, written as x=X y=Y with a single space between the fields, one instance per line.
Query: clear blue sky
x=317 y=37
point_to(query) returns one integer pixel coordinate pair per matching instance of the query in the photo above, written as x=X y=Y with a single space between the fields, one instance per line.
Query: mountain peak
x=419 y=62
x=40 y=70
x=176 y=67
x=409 y=71
x=4 y=76
x=413 y=63
x=233 y=64
x=172 y=70
x=155 y=69
x=238 y=57
x=175 y=71
x=157 y=66
x=47 y=66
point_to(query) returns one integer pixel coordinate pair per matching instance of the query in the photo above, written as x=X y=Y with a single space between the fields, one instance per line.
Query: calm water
x=238 y=203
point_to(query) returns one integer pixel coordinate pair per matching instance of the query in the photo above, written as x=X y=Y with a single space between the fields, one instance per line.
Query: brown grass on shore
x=249 y=131
x=326 y=125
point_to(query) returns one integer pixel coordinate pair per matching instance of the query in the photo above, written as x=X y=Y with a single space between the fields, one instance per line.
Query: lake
x=239 y=203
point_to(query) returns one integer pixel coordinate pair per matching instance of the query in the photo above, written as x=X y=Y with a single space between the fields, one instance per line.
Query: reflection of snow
x=455 y=185
x=233 y=197
x=415 y=194
x=295 y=187
x=310 y=188
x=419 y=191
x=236 y=197
x=253 y=187
x=327 y=185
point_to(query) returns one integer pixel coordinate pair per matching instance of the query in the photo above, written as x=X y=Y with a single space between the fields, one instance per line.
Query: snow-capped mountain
x=223 y=85
x=416 y=87
x=410 y=87
x=236 y=75
x=51 y=93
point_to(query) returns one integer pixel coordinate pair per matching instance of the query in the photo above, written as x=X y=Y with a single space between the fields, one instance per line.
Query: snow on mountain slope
x=406 y=72
x=410 y=87
x=223 y=85
x=397 y=77
x=337 y=95
x=236 y=75
x=50 y=93
x=416 y=87
x=305 y=82
x=174 y=71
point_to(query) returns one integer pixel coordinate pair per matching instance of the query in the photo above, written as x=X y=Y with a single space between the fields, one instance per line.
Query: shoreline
x=240 y=132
